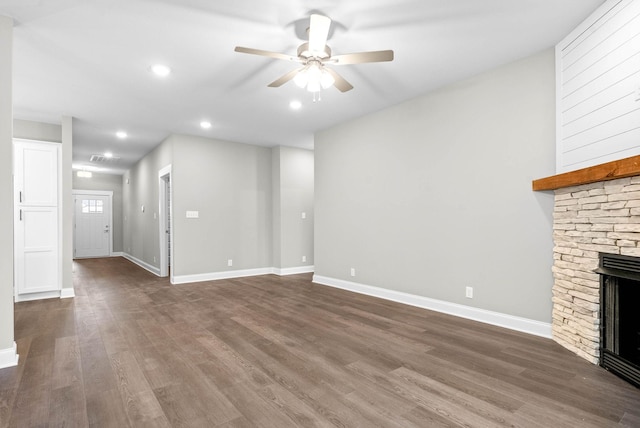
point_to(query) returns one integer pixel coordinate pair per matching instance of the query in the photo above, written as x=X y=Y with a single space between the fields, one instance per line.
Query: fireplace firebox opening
x=620 y=315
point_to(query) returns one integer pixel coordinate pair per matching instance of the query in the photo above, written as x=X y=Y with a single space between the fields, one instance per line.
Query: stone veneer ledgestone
x=587 y=220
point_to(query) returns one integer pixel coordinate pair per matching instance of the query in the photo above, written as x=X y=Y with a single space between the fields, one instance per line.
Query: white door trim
x=107 y=193
x=162 y=221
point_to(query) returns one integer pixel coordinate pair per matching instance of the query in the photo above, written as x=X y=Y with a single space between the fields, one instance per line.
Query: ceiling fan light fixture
x=314 y=77
x=301 y=79
x=313 y=86
x=326 y=79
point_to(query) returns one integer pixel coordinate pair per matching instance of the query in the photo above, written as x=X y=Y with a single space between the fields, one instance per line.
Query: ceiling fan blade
x=362 y=57
x=340 y=83
x=269 y=54
x=284 y=79
x=318 y=32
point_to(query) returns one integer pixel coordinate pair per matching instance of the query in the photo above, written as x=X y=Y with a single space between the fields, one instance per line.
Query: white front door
x=36 y=221
x=92 y=230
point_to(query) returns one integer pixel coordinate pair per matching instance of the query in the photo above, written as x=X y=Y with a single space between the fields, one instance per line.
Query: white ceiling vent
x=104 y=159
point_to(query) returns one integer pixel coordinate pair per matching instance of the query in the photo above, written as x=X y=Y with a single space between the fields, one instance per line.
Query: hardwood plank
x=68 y=407
x=31 y=405
x=255 y=409
x=10 y=380
x=67 y=369
x=97 y=374
x=105 y=409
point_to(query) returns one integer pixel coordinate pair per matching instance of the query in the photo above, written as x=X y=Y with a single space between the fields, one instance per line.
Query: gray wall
x=292 y=195
x=229 y=184
x=37 y=130
x=276 y=228
x=106 y=182
x=249 y=201
x=140 y=188
x=6 y=185
x=434 y=194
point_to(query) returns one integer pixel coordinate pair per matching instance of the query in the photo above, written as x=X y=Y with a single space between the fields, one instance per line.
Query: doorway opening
x=165 y=222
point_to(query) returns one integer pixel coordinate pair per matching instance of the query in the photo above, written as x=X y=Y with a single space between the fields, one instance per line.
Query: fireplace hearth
x=620 y=326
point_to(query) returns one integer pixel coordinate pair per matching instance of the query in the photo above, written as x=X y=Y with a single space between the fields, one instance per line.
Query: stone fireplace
x=589 y=219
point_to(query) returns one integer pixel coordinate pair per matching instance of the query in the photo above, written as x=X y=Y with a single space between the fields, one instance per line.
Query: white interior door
x=36 y=219
x=92 y=225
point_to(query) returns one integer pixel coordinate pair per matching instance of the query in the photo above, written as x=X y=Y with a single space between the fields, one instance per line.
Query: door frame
x=163 y=175
x=107 y=193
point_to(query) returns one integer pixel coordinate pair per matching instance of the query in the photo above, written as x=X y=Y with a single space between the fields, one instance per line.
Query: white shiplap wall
x=598 y=78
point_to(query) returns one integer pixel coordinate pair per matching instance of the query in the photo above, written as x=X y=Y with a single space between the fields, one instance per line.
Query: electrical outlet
x=154 y=259
x=469 y=293
x=304 y=259
x=229 y=262
x=353 y=271
x=303 y=215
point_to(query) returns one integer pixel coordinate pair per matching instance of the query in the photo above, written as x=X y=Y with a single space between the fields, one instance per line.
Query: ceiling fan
x=315 y=56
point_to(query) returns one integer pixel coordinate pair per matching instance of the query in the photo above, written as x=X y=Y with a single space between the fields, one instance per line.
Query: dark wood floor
x=132 y=350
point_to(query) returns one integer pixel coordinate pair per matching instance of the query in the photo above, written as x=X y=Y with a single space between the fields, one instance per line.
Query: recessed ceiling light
x=121 y=134
x=295 y=105
x=205 y=124
x=108 y=154
x=160 y=70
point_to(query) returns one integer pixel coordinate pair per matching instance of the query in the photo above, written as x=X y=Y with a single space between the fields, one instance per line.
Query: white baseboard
x=117 y=254
x=212 y=276
x=9 y=357
x=28 y=297
x=241 y=273
x=293 y=270
x=154 y=270
x=67 y=293
x=525 y=325
x=64 y=293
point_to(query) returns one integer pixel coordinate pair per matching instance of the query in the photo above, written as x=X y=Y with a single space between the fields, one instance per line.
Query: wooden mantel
x=622 y=168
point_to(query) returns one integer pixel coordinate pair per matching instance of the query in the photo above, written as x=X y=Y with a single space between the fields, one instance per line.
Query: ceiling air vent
x=104 y=159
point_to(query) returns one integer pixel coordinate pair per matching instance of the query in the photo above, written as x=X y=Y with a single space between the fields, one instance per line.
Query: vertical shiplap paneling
x=598 y=88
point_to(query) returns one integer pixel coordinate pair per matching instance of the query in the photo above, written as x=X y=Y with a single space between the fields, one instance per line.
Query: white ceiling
x=90 y=58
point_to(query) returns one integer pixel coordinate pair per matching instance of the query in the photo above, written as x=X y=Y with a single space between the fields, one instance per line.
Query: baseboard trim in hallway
x=144 y=265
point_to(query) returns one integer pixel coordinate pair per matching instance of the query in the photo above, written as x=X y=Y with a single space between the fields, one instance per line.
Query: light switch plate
x=193 y=214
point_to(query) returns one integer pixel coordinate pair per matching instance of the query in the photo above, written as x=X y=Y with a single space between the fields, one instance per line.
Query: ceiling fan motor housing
x=304 y=52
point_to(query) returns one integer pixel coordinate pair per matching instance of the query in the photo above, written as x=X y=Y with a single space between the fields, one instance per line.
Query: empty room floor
x=132 y=350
